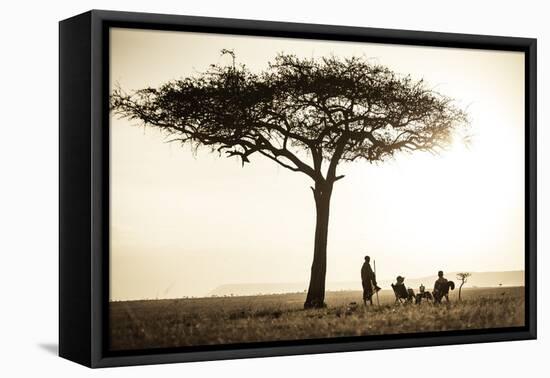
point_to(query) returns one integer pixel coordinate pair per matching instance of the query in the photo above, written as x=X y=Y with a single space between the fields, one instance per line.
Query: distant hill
x=478 y=279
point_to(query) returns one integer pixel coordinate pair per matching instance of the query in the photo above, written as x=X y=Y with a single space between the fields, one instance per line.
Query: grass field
x=204 y=321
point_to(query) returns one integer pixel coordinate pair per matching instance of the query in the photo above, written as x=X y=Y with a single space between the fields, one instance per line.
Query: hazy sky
x=182 y=224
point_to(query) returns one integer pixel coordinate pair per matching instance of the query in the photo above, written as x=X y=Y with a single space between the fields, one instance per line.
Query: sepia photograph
x=270 y=189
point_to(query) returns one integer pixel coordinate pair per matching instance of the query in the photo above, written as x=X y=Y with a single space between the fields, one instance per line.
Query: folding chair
x=402 y=294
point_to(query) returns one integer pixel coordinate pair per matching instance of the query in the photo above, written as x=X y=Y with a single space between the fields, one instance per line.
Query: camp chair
x=402 y=294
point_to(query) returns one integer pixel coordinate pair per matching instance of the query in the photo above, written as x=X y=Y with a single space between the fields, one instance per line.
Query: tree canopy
x=334 y=109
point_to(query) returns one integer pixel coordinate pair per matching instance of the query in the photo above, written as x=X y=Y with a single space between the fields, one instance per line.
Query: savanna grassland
x=227 y=320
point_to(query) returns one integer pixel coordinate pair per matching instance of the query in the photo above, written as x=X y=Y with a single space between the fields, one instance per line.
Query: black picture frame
x=84 y=186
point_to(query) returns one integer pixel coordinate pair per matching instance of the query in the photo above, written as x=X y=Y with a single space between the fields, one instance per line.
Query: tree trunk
x=316 y=292
x=460 y=291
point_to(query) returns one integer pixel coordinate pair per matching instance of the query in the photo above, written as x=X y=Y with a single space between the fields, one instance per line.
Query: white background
x=29 y=190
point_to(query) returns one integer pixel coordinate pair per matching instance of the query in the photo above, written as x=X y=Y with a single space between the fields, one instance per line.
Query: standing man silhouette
x=368 y=279
x=441 y=288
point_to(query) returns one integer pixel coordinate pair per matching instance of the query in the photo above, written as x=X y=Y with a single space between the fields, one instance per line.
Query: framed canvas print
x=234 y=188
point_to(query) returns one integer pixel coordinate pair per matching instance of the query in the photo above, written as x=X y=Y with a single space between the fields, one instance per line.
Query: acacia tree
x=306 y=115
x=463 y=278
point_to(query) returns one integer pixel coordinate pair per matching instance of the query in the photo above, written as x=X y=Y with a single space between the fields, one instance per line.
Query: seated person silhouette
x=423 y=294
x=401 y=292
x=441 y=288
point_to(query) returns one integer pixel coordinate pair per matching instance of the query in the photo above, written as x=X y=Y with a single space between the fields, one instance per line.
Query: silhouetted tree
x=305 y=115
x=463 y=278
